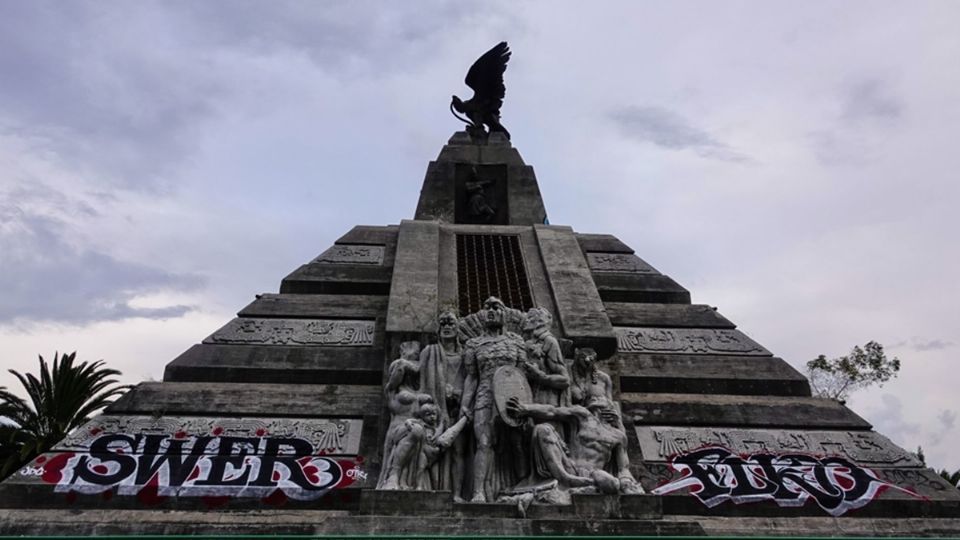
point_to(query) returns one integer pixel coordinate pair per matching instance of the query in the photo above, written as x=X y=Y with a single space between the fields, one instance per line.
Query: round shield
x=510 y=382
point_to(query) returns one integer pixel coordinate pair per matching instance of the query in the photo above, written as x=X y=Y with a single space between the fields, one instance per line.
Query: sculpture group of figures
x=494 y=416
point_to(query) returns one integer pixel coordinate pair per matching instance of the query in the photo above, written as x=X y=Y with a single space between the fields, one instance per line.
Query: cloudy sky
x=793 y=164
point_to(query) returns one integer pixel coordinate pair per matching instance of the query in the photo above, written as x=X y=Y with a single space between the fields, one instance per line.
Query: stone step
x=319 y=522
x=604 y=243
x=707 y=374
x=317 y=278
x=646 y=288
x=383 y=235
x=277 y=364
x=719 y=410
x=244 y=399
x=314 y=306
x=666 y=315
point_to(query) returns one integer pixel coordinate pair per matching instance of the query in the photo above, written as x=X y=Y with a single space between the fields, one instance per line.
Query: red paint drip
x=52 y=470
x=217 y=430
x=277 y=498
x=149 y=494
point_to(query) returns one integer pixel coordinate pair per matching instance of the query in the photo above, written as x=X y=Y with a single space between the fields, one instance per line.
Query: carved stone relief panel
x=618 y=262
x=352 y=254
x=661 y=443
x=319 y=332
x=686 y=341
x=333 y=436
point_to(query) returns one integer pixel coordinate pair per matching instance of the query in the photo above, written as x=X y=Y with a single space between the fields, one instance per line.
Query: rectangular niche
x=481 y=195
x=491 y=265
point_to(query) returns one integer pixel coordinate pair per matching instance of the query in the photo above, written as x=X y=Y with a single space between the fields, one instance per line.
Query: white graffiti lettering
x=715 y=474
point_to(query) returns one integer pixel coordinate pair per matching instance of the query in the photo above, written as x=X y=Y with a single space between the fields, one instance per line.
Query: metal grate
x=491 y=265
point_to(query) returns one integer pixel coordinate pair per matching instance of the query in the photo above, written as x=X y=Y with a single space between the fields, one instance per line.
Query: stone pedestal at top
x=480 y=183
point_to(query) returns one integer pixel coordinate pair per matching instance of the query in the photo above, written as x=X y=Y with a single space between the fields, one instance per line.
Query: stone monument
x=475 y=370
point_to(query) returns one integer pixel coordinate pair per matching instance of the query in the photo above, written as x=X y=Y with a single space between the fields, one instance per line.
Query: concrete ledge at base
x=404 y=503
x=644 y=506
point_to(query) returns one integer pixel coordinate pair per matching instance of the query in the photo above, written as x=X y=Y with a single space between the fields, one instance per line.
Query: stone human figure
x=599 y=445
x=420 y=441
x=545 y=367
x=482 y=355
x=586 y=381
x=402 y=397
x=442 y=375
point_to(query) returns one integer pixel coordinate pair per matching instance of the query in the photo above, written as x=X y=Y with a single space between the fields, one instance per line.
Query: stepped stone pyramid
x=276 y=422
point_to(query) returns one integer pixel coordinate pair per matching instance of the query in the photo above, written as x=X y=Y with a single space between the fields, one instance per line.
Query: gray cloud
x=931 y=345
x=871 y=99
x=667 y=129
x=890 y=421
x=45 y=278
x=947 y=419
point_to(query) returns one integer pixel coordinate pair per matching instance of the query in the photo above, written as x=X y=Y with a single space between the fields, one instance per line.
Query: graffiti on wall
x=715 y=474
x=215 y=465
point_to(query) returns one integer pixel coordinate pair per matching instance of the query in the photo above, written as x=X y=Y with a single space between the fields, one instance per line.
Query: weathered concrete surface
x=414 y=291
x=666 y=315
x=604 y=243
x=320 y=522
x=866 y=448
x=645 y=340
x=579 y=308
x=619 y=263
x=371 y=235
x=298 y=332
x=829 y=526
x=277 y=364
x=317 y=306
x=316 y=278
x=725 y=410
x=652 y=288
x=708 y=374
x=302 y=400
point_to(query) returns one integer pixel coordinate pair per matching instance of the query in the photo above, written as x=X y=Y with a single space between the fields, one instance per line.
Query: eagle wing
x=486 y=74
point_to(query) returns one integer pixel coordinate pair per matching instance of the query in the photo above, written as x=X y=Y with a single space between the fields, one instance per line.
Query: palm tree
x=61 y=400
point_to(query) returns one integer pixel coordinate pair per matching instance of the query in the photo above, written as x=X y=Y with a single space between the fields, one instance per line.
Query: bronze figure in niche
x=485 y=78
x=481 y=194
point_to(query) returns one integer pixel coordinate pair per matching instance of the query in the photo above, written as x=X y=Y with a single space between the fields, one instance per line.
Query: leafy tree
x=60 y=400
x=838 y=377
x=952 y=477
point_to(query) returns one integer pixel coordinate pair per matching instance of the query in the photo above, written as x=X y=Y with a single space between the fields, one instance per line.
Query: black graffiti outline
x=715 y=474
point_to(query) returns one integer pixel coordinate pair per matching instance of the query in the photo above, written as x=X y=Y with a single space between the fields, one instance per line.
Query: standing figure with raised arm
x=482 y=356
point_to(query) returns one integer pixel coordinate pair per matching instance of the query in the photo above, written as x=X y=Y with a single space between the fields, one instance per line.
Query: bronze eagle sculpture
x=486 y=79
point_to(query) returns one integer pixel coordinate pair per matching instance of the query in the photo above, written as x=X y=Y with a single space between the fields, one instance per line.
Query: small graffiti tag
x=714 y=474
x=153 y=466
